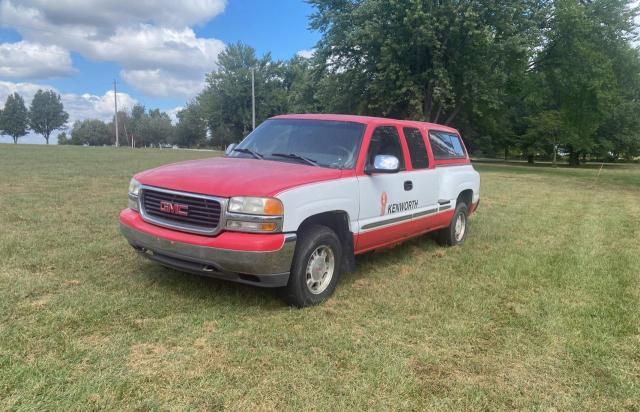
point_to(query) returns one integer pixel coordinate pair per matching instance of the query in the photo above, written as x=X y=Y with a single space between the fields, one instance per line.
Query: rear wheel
x=316 y=267
x=456 y=233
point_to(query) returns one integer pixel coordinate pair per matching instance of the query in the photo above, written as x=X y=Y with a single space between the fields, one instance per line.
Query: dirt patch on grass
x=195 y=360
x=40 y=302
x=146 y=358
x=208 y=328
x=362 y=283
x=94 y=342
x=72 y=282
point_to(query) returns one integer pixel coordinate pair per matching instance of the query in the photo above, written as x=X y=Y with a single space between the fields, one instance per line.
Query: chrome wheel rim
x=461 y=227
x=320 y=268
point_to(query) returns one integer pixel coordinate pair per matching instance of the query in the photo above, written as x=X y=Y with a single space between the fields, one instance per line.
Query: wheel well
x=338 y=221
x=466 y=196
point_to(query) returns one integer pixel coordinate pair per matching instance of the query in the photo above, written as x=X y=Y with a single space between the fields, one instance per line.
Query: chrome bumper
x=267 y=269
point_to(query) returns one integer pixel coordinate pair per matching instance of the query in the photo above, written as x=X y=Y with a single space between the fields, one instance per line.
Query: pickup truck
x=291 y=205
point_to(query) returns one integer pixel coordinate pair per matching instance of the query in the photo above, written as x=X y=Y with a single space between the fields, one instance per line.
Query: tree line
x=527 y=78
x=138 y=127
x=45 y=115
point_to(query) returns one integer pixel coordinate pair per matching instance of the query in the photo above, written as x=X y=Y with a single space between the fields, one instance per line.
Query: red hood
x=228 y=177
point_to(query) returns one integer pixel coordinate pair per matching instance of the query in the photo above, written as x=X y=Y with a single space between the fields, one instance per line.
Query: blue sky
x=159 y=51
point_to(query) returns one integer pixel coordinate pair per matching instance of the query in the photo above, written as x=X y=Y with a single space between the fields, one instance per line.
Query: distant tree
x=125 y=128
x=47 y=113
x=63 y=139
x=191 y=129
x=300 y=86
x=15 y=117
x=584 y=72
x=138 y=112
x=93 y=132
x=155 y=128
x=544 y=134
x=227 y=99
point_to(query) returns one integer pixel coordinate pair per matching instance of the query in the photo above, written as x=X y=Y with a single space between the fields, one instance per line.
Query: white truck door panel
x=386 y=202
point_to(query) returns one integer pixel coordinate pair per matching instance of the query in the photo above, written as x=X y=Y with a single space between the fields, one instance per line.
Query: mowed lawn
x=540 y=309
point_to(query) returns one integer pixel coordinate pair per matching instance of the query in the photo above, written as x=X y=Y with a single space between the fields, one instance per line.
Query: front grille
x=203 y=214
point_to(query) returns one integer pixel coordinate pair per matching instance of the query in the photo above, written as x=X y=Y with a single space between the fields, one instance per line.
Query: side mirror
x=383 y=164
x=229 y=149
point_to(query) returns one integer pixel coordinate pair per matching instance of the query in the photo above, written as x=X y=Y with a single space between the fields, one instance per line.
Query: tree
x=138 y=113
x=155 y=128
x=191 y=129
x=63 y=139
x=124 y=128
x=15 y=117
x=422 y=59
x=227 y=99
x=91 y=132
x=584 y=69
x=300 y=86
x=47 y=113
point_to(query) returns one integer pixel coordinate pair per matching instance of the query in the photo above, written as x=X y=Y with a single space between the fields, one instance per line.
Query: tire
x=312 y=280
x=450 y=235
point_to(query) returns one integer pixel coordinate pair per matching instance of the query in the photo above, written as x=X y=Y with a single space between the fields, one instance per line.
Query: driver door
x=387 y=201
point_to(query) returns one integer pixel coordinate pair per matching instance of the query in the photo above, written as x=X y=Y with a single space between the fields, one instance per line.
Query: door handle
x=408 y=185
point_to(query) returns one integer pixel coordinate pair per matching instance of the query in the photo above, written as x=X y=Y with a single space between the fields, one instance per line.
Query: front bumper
x=259 y=268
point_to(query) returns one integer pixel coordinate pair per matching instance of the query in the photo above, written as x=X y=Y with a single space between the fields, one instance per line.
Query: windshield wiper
x=297 y=157
x=249 y=151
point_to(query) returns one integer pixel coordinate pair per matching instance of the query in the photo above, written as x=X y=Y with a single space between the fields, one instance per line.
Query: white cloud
x=106 y=14
x=79 y=106
x=160 y=83
x=25 y=60
x=91 y=106
x=146 y=47
x=158 y=51
x=173 y=114
x=307 y=54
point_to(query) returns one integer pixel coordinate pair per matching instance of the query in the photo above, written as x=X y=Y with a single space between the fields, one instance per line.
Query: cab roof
x=366 y=120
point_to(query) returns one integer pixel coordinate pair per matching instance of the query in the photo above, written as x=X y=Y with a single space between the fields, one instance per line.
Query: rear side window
x=385 y=140
x=446 y=145
x=417 y=148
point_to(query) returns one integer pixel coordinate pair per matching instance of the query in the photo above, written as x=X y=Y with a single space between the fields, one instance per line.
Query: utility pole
x=253 y=98
x=115 y=103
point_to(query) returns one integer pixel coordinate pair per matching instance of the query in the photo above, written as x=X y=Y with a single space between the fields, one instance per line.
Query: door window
x=385 y=141
x=417 y=148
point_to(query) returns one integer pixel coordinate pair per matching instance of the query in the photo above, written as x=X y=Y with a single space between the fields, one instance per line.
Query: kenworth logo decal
x=402 y=207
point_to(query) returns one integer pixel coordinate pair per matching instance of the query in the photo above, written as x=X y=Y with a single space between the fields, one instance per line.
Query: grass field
x=538 y=310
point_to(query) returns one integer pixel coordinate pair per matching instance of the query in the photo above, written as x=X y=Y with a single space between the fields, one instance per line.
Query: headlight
x=134 y=187
x=254 y=214
x=266 y=206
x=134 y=192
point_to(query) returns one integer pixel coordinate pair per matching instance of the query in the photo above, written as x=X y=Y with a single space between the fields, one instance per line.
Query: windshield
x=321 y=143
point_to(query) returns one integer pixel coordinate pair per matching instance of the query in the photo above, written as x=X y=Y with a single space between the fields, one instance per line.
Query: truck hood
x=226 y=177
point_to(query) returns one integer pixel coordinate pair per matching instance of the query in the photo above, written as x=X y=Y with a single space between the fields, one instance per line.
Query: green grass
x=539 y=310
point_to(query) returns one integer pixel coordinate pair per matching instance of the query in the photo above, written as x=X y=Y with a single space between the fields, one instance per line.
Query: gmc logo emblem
x=174 y=208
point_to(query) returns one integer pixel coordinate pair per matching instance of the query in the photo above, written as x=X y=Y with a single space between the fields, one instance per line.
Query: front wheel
x=456 y=233
x=316 y=267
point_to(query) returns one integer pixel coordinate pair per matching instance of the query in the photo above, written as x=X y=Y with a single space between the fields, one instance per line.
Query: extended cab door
x=387 y=201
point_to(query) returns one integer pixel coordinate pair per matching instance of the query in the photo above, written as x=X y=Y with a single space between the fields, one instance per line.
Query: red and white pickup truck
x=293 y=204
